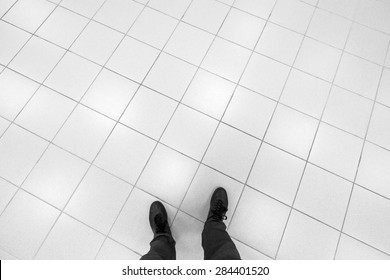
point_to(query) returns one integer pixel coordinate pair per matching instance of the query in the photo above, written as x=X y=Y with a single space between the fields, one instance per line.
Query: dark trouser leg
x=217 y=244
x=162 y=247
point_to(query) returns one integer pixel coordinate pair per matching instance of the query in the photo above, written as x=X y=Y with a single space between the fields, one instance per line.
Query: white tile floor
x=108 y=105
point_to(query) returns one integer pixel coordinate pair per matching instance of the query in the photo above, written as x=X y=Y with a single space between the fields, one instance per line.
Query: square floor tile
x=250 y=112
x=56 y=176
x=324 y=196
x=70 y=240
x=98 y=199
x=189 y=132
x=62 y=27
x=149 y=112
x=358 y=75
x=336 y=151
x=153 y=27
x=125 y=153
x=19 y=151
x=133 y=59
x=3 y=125
x=97 y=42
x=373 y=169
x=175 y=8
x=374 y=14
x=292 y=14
x=226 y=59
x=170 y=76
x=348 y=111
x=136 y=212
x=84 y=133
x=352 y=249
x=368 y=43
x=15 y=92
x=260 y=8
x=37 y=59
x=29 y=15
x=329 y=28
x=207 y=15
x=188 y=237
x=45 y=113
x=12 y=40
x=112 y=250
x=318 y=59
x=24 y=225
x=368 y=211
x=344 y=8
x=72 y=76
x=5 y=6
x=242 y=28
x=279 y=43
x=305 y=93
x=292 y=131
x=209 y=93
x=262 y=232
x=276 y=173
x=86 y=7
x=378 y=131
x=306 y=238
x=383 y=95
x=119 y=14
x=168 y=175
x=189 y=43
x=232 y=152
x=248 y=253
x=7 y=191
x=197 y=199
x=110 y=93
x=265 y=76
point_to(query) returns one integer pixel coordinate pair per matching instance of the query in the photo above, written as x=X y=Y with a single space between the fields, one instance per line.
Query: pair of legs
x=216 y=242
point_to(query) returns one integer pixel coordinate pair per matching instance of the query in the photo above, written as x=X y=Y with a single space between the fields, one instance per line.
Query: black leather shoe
x=158 y=219
x=218 y=206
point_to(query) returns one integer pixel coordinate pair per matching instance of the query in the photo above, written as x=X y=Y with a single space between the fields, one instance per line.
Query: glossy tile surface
x=109 y=105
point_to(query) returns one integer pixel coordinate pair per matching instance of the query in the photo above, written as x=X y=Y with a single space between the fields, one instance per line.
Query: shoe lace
x=160 y=224
x=219 y=211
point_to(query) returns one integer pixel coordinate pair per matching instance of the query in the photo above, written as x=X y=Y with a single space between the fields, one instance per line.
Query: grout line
x=312 y=75
x=55 y=222
x=219 y=121
x=157 y=143
x=40 y=84
x=305 y=35
x=361 y=155
x=314 y=139
x=265 y=55
x=227 y=106
x=289 y=106
x=6 y=12
x=130 y=101
x=185 y=212
x=189 y=106
x=227 y=175
x=269 y=123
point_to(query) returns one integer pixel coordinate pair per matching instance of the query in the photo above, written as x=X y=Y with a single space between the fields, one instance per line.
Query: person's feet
x=158 y=219
x=218 y=206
